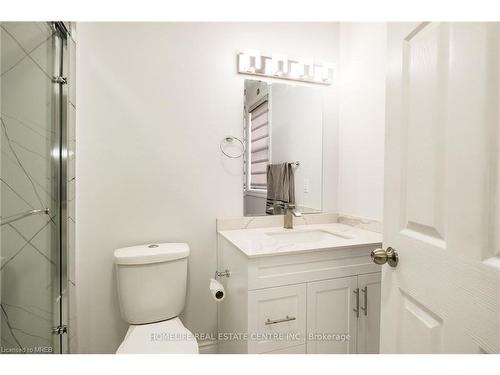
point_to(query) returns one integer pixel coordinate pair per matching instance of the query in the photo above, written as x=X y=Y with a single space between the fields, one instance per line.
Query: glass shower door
x=32 y=160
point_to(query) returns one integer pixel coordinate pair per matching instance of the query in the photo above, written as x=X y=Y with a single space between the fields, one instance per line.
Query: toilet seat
x=166 y=337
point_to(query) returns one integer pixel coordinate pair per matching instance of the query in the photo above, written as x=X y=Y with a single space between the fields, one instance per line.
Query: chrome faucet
x=289 y=214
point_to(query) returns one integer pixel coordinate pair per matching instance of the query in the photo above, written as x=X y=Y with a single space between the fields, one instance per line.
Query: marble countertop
x=258 y=242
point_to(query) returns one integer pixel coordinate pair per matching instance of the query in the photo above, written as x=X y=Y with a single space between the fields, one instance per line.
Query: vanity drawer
x=279 y=318
x=274 y=271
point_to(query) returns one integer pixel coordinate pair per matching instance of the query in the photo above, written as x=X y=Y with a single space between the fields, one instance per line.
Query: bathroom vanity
x=311 y=289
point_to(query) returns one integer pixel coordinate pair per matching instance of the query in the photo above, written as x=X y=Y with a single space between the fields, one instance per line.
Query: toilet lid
x=167 y=337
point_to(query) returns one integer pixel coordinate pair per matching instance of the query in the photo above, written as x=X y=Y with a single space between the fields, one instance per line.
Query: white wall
x=154 y=100
x=362 y=119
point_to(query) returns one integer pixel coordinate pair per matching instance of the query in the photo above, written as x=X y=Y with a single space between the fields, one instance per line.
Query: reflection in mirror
x=283 y=129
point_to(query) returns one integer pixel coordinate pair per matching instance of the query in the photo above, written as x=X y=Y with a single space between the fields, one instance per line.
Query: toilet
x=151 y=281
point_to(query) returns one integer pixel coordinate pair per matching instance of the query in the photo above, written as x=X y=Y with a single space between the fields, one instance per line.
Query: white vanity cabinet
x=277 y=311
x=344 y=305
x=317 y=301
x=330 y=311
x=369 y=314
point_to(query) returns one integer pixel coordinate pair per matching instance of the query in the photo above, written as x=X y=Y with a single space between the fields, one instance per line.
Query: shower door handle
x=17 y=217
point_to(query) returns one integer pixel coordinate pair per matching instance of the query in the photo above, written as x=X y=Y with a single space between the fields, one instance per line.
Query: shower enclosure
x=34 y=187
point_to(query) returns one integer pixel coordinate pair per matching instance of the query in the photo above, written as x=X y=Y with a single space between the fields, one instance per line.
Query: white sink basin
x=262 y=241
x=304 y=236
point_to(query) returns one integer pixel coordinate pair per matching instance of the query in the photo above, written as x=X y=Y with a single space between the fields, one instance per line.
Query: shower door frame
x=60 y=163
x=58 y=92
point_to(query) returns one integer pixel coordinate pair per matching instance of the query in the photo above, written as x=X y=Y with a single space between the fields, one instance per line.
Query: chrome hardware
x=60 y=330
x=381 y=256
x=225 y=273
x=289 y=213
x=59 y=27
x=276 y=321
x=13 y=218
x=356 y=310
x=365 y=293
x=60 y=80
x=230 y=139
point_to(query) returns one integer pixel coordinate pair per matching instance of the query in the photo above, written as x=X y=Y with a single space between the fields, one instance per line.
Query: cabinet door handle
x=356 y=310
x=275 y=321
x=365 y=292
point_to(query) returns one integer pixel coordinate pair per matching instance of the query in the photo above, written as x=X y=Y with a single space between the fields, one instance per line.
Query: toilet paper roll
x=217 y=290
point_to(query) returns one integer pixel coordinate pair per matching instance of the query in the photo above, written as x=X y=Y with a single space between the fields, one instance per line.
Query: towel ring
x=230 y=139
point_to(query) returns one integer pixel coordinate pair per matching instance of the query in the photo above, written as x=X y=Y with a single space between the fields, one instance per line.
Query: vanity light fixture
x=280 y=66
x=323 y=73
x=268 y=68
x=243 y=62
x=250 y=61
x=307 y=69
x=296 y=70
x=318 y=74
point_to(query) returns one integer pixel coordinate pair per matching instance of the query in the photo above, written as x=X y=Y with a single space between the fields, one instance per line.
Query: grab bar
x=13 y=218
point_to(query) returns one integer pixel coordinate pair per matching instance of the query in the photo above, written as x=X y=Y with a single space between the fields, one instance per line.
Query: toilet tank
x=151 y=281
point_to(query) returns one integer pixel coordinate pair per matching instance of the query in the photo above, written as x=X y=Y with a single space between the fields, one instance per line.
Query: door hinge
x=60 y=80
x=60 y=330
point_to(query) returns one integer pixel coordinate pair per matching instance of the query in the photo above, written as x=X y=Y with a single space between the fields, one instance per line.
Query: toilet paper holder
x=225 y=273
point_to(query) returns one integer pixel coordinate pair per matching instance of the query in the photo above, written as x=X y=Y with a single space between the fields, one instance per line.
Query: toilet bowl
x=151 y=283
x=169 y=336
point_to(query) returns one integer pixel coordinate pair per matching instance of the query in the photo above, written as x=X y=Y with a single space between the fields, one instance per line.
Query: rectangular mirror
x=283 y=132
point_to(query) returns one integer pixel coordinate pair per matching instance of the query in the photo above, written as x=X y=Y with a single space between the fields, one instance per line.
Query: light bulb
x=280 y=64
x=307 y=68
x=254 y=60
x=296 y=70
x=243 y=62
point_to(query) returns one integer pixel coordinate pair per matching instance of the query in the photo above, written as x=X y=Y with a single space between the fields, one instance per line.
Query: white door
x=369 y=315
x=331 y=316
x=442 y=198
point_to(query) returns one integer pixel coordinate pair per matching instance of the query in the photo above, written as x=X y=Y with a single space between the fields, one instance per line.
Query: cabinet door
x=276 y=318
x=331 y=319
x=369 y=314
